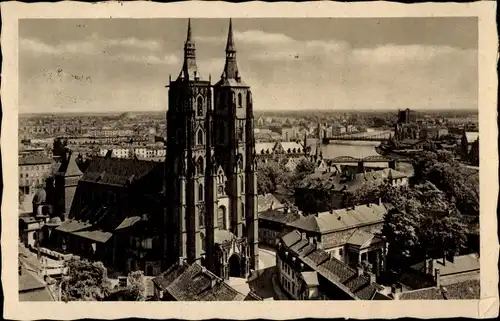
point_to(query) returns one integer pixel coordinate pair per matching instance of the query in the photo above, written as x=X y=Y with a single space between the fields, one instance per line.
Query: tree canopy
x=86 y=281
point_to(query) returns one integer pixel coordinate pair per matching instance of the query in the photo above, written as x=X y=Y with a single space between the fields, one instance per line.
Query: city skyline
x=328 y=64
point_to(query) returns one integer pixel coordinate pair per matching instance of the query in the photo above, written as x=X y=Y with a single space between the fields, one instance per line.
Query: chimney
x=360 y=270
x=213 y=282
x=372 y=277
x=438 y=278
x=303 y=236
x=181 y=261
x=272 y=205
x=380 y=201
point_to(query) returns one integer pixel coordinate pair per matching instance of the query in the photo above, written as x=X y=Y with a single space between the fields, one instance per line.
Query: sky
x=115 y=65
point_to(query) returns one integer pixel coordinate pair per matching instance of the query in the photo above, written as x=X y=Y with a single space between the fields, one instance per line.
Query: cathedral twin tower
x=210 y=180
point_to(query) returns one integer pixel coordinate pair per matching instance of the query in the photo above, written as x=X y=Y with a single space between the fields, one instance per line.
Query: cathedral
x=210 y=183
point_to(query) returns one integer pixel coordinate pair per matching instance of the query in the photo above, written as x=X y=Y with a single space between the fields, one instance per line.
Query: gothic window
x=221 y=217
x=199 y=104
x=240 y=100
x=200 y=192
x=202 y=238
x=201 y=219
x=242 y=210
x=242 y=185
x=220 y=190
x=199 y=137
x=200 y=166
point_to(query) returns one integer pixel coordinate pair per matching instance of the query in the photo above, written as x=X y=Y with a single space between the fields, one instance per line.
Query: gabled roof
x=117 y=171
x=278 y=216
x=186 y=282
x=333 y=271
x=264 y=202
x=342 y=219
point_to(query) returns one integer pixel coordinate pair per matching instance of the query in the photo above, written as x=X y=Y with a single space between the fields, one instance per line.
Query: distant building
x=288 y=133
x=33 y=170
x=306 y=272
x=273 y=222
x=407 y=116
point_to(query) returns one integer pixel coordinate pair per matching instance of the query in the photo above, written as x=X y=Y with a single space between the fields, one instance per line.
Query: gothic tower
x=210 y=181
x=235 y=149
x=188 y=148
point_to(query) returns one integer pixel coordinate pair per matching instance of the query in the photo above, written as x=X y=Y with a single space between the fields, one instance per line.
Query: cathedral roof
x=118 y=171
x=189 y=68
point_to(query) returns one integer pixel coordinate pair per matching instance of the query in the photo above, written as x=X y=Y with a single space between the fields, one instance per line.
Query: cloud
x=136 y=43
x=128 y=49
x=170 y=59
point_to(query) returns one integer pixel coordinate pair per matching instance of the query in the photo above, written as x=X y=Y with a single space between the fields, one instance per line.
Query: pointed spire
x=189 y=68
x=231 y=67
x=230 y=41
x=188 y=38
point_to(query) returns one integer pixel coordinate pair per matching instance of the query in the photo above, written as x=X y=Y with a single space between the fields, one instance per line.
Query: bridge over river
x=372 y=136
x=368 y=159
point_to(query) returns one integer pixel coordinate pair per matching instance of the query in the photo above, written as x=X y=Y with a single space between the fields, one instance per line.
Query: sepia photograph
x=246 y=158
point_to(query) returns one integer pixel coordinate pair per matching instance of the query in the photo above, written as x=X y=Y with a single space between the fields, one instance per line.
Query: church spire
x=230 y=41
x=231 y=67
x=189 y=68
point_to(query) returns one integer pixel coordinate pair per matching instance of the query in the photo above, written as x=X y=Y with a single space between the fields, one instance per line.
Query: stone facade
x=210 y=181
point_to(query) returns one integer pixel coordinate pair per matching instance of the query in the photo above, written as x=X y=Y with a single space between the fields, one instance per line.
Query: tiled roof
x=278 y=216
x=98 y=236
x=117 y=171
x=341 y=219
x=334 y=272
x=291 y=238
x=342 y=271
x=299 y=245
x=33 y=160
x=466 y=290
x=264 y=202
x=423 y=294
x=194 y=283
x=166 y=278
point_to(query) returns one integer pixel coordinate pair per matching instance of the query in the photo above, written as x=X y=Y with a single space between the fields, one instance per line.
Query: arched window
x=240 y=100
x=242 y=185
x=201 y=191
x=199 y=138
x=221 y=217
x=242 y=210
x=199 y=104
x=220 y=190
x=200 y=166
x=202 y=238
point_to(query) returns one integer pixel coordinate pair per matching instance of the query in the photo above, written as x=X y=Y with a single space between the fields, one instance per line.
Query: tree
x=442 y=237
x=136 y=289
x=86 y=281
x=271 y=175
x=370 y=192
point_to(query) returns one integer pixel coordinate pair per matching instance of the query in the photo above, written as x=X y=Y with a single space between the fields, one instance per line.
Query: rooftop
x=184 y=282
x=342 y=219
x=33 y=160
x=333 y=271
x=265 y=202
